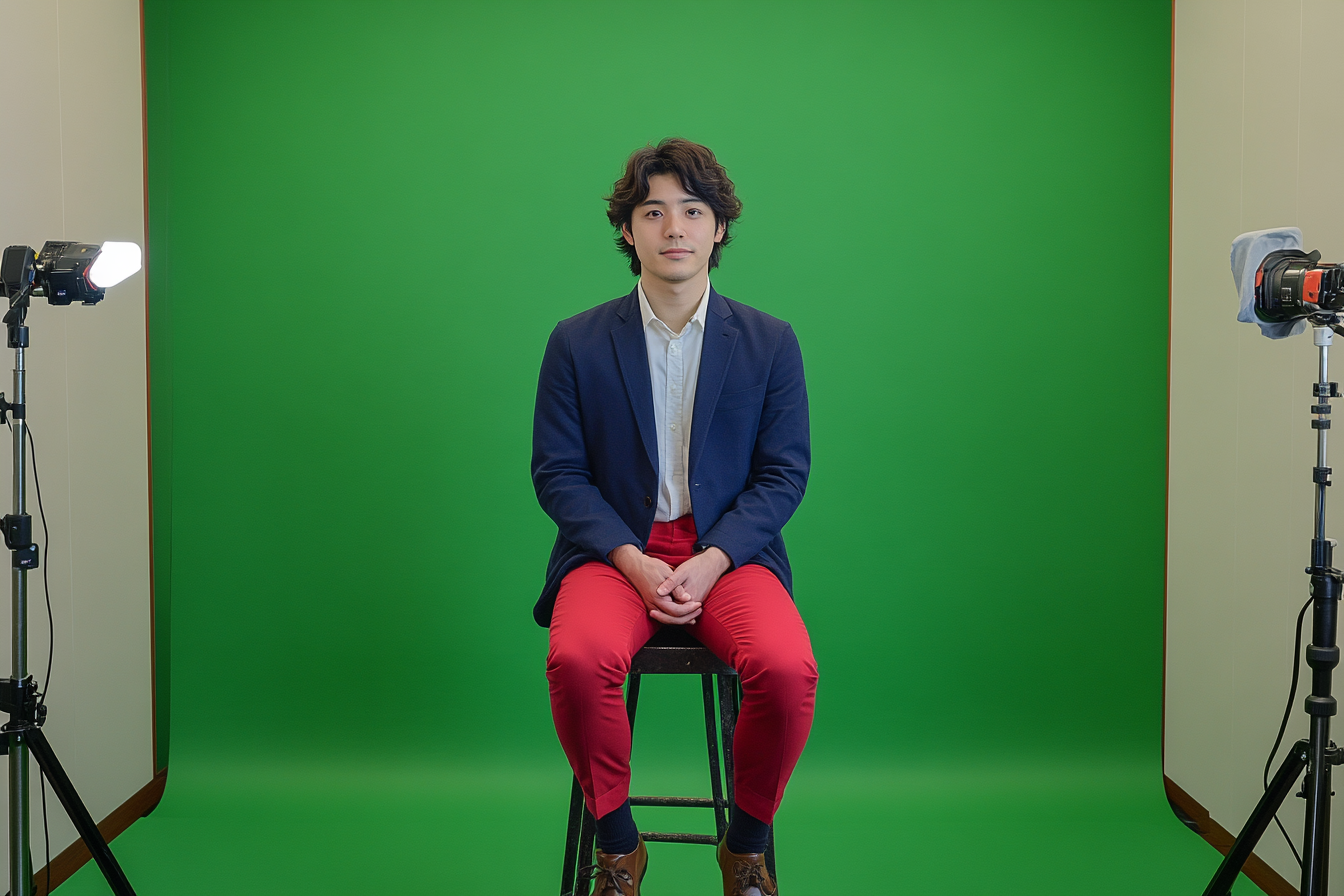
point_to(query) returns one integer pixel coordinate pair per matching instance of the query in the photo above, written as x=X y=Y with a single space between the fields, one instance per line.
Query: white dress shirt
x=674 y=368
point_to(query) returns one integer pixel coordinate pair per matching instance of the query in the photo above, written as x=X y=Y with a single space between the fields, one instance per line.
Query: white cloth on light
x=674 y=368
x=1248 y=250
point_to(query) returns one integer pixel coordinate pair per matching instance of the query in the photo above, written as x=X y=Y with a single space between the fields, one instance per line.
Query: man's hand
x=691 y=581
x=647 y=574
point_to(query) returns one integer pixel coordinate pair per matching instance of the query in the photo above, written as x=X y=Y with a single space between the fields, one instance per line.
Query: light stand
x=1317 y=754
x=19 y=696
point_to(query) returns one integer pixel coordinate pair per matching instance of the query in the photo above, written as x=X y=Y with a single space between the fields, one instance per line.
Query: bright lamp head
x=114 y=263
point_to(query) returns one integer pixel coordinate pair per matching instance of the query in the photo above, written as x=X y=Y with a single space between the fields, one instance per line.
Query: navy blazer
x=595 y=453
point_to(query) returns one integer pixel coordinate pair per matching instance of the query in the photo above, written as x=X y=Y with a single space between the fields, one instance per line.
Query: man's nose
x=673 y=228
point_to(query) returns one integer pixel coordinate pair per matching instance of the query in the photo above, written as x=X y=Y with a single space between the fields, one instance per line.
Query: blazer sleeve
x=561 y=473
x=780 y=461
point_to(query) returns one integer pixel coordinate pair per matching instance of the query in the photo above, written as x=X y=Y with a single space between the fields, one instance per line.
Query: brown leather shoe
x=619 y=875
x=744 y=875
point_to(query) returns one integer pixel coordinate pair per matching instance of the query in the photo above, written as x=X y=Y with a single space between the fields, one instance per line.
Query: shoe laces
x=608 y=880
x=750 y=874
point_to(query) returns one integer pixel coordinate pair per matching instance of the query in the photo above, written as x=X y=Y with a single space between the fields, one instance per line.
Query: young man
x=670 y=446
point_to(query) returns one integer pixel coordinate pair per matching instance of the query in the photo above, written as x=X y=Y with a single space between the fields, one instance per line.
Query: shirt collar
x=646 y=310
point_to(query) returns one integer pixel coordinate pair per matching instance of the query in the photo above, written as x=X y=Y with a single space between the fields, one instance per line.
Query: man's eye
x=695 y=212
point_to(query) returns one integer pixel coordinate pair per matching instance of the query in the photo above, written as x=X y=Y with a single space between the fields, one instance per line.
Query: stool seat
x=673 y=650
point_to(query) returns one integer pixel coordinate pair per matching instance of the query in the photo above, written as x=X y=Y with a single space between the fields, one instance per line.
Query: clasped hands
x=672 y=596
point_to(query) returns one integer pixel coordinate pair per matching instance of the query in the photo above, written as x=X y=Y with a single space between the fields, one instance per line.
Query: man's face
x=672 y=231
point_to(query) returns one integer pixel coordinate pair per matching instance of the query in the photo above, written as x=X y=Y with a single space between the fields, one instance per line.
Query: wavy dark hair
x=700 y=174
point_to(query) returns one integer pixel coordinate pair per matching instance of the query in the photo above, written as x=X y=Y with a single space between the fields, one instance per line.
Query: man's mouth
x=676 y=252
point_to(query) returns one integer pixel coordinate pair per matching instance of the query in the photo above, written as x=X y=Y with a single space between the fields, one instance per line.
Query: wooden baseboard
x=1263 y=876
x=73 y=857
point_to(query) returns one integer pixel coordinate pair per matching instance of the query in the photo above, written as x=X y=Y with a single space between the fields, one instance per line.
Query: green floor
x=352 y=828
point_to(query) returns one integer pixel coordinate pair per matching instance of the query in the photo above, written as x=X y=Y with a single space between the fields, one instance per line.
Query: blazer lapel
x=717 y=351
x=632 y=354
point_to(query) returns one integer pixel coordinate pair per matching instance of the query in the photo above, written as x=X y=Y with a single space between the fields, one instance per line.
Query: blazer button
x=648 y=502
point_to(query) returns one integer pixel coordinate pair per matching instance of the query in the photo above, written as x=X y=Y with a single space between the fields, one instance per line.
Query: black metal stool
x=671 y=651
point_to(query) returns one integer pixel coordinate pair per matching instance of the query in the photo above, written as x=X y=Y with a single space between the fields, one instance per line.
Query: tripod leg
x=1251 y=832
x=74 y=807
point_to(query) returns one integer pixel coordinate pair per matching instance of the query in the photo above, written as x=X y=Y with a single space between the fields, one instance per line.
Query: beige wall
x=73 y=170
x=1258 y=142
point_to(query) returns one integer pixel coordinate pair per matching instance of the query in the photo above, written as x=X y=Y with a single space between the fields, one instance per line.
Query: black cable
x=46 y=584
x=46 y=544
x=1287 y=712
x=51 y=637
x=51 y=634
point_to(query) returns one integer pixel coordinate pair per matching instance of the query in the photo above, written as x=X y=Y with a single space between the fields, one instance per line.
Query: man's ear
x=629 y=237
x=718 y=234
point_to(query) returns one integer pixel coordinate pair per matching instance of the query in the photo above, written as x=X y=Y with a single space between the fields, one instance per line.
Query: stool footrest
x=684 y=802
x=657 y=837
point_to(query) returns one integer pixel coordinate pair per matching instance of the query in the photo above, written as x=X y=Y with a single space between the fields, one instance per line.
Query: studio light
x=66 y=271
x=1283 y=290
x=62 y=273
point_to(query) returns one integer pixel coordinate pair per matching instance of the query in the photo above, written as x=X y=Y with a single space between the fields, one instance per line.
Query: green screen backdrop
x=367 y=217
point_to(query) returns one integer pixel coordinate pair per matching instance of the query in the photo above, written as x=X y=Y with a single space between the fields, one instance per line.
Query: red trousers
x=748 y=621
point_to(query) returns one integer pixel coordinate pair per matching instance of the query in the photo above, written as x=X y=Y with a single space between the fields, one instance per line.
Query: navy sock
x=746 y=833
x=616 y=831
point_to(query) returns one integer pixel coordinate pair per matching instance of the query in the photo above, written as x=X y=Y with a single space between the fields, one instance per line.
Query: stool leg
x=712 y=741
x=728 y=722
x=632 y=702
x=571 y=863
x=586 y=838
x=770 y=858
